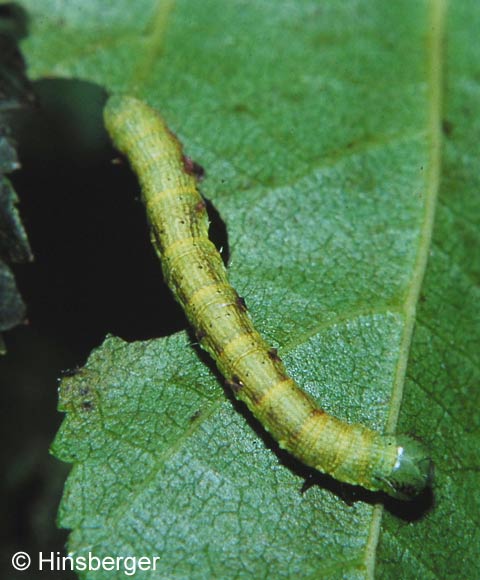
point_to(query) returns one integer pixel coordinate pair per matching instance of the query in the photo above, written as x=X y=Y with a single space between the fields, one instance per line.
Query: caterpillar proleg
x=193 y=269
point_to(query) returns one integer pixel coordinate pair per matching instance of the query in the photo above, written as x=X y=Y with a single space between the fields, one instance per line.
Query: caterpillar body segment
x=195 y=272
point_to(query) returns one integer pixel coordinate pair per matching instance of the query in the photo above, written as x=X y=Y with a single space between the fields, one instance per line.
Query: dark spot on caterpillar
x=273 y=355
x=87 y=405
x=193 y=168
x=200 y=206
x=199 y=334
x=235 y=384
x=240 y=302
x=447 y=127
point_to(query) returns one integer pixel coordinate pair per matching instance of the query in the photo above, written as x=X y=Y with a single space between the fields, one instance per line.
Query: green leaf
x=319 y=127
x=443 y=373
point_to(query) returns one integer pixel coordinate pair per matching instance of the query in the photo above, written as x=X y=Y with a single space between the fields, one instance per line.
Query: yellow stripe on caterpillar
x=183 y=190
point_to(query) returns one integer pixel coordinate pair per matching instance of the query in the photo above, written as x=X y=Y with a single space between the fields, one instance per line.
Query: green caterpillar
x=194 y=271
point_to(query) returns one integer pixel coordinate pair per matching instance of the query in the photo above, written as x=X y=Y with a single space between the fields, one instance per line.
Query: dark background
x=94 y=273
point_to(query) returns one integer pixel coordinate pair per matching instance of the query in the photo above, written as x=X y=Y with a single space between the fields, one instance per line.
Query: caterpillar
x=194 y=271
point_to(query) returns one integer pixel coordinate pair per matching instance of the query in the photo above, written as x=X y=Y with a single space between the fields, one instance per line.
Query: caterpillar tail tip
x=413 y=471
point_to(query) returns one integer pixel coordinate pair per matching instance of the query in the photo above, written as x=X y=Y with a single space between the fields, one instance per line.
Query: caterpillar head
x=412 y=472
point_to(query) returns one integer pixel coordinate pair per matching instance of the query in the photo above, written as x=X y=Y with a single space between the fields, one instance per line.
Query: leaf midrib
x=435 y=38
